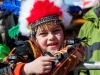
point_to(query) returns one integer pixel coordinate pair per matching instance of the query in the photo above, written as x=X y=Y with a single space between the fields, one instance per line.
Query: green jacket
x=91 y=30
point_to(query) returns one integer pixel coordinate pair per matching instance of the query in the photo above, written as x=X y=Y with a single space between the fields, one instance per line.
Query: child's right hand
x=40 y=65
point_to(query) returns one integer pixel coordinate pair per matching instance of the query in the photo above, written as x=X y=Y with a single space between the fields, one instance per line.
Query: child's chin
x=53 y=51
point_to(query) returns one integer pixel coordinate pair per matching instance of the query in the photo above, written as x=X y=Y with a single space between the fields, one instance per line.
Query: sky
x=70 y=1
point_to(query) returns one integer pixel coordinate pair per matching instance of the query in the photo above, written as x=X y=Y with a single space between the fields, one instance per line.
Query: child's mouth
x=53 y=45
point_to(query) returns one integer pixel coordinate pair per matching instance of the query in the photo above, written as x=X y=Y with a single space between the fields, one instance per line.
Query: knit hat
x=34 y=12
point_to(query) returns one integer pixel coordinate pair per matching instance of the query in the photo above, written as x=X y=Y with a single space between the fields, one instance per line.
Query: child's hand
x=40 y=65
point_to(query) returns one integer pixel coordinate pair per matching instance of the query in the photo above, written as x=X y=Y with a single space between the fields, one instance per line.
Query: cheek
x=41 y=42
x=61 y=37
x=61 y=40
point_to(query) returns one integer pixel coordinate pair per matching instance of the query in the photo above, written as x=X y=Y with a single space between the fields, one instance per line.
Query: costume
x=28 y=48
x=91 y=30
x=9 y=18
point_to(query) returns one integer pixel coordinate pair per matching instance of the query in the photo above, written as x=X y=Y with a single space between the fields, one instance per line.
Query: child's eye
x=56 y=30
x=43 y=33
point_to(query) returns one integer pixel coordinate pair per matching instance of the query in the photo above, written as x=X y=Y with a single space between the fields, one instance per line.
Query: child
x=45 y=22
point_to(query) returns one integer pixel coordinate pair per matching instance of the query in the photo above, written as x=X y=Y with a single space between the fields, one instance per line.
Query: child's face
x=50 y=37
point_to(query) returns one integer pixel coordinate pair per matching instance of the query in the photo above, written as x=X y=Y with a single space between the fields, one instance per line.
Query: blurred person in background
x=91 y=30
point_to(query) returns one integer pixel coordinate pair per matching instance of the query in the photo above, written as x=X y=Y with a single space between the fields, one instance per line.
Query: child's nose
x=51 y=36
